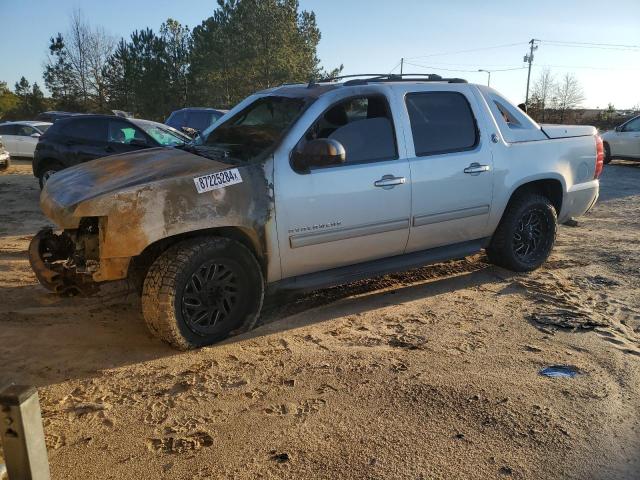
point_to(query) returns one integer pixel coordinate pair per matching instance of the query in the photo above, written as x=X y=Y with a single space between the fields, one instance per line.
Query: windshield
x=164 y=135
x=255 y=130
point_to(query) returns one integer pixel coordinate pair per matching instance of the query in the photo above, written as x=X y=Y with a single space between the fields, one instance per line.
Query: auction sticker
x=214 y=181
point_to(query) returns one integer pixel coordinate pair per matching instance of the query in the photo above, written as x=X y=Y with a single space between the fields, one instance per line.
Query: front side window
x=124 y=132
x=254 y=131
x=441 y=122
x=164 y=135
x=42 y=127
x=363 y=125
x=26 y=130
x=632 y=126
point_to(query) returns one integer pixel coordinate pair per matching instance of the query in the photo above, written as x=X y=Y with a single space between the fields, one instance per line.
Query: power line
x=460 y=70
x=592 y=45
x=469 y=50
x=579 y=67
x=438 y=68
x=397 y=65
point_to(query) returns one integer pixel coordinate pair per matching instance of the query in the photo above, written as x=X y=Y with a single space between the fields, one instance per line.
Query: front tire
x=200 y=291
x=526 y=234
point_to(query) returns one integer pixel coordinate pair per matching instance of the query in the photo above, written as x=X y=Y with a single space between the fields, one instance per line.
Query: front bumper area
x=5 y=160
x=52 y=259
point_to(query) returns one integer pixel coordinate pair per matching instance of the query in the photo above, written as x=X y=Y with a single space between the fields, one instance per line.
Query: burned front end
x=65 y=262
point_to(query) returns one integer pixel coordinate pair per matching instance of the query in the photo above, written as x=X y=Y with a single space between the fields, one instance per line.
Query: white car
x=623 y=142
x=5 y=160
x=20 y=138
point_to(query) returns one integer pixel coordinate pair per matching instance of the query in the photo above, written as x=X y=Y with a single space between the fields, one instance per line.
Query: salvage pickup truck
x=309 y=185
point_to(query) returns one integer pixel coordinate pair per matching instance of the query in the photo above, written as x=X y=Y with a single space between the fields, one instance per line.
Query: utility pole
x=401 y=65
x=529 y=59
x=488 y=78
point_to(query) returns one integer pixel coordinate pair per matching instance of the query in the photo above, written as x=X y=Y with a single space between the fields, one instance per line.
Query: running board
x=374 y=268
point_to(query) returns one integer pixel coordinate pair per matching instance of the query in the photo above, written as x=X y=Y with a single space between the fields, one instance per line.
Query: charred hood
x=121 y=172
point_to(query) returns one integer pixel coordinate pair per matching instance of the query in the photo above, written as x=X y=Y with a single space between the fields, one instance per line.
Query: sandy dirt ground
x=432 y=374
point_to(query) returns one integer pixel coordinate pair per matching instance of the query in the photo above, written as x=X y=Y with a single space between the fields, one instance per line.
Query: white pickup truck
x=304 y=186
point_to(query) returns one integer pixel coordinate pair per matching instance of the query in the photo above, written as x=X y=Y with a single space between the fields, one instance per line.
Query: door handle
x=389 y=181
x=476 y=168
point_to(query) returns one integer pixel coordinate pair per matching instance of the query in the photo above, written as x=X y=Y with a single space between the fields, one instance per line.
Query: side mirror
x=35 y=135
x=619 y=128
x=321 y=152
x=136 y=142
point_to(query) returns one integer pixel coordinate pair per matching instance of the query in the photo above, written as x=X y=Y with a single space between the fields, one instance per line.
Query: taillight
x=599 y=157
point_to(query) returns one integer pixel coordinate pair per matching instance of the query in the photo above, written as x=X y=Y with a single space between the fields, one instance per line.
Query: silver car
x=623 y=142
x=305 y=186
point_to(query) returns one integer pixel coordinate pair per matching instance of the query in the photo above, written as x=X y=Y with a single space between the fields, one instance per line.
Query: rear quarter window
x=92 y=130
x=441 y=122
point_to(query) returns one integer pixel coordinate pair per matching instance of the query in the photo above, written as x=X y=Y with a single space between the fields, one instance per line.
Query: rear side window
x=8 y=129
x=92 y=129
x=441 y=122
x=177 y=119
x=632 y=125
x=200 y=120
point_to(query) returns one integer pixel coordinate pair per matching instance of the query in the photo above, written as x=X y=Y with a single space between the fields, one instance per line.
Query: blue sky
x=372 y=35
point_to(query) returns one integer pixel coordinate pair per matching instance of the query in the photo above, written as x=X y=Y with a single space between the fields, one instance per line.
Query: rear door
x=26 y=144
x=85 y=139
x=451 y=166
x=9 y=138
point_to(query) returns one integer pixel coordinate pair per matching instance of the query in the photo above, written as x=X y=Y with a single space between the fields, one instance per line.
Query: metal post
x=22 y=435
x=529 y=59
x=489 y=76
x=401 y=65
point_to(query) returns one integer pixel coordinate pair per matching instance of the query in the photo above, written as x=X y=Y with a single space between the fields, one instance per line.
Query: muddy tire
x=526 y=234
x=607 y=153
x=200 y=291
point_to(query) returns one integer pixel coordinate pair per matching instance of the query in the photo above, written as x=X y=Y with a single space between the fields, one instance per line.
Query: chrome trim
x=315 y=238
x=420 y=220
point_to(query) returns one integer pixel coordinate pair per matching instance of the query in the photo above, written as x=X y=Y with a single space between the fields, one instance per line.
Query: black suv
x=73 y=140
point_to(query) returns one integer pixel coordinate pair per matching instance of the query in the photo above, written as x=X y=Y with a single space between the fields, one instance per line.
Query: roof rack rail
x=391 y=77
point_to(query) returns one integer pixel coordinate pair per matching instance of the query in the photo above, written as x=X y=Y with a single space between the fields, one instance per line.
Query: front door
x=627 y=140
x=451 y=168
x=347 y=214
x=26 y=143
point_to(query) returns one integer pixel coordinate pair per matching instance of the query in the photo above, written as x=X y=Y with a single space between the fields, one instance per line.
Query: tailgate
x=565 y=131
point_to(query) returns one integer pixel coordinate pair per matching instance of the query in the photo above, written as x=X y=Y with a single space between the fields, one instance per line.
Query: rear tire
x=526 y=234
x=200 y=291
x=607 y=153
